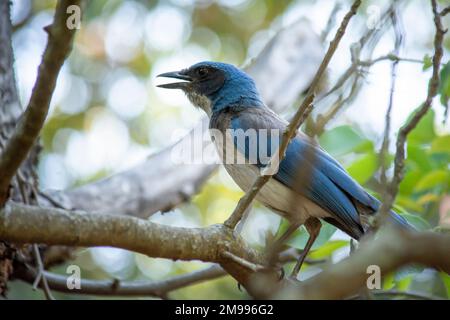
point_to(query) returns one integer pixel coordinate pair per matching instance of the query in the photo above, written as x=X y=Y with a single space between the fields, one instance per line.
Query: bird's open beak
x=176 y=75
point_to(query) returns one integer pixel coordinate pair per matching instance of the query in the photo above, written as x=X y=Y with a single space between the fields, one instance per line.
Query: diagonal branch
x=399 y=162
x=392 y=250
x=19 y=144
x=299 y=117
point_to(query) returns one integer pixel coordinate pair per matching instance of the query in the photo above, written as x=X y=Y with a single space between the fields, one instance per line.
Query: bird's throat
x=200 y=101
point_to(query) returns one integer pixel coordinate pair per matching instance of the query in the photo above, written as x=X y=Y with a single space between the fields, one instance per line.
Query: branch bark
x=30 y=224
x=394 y=249
x=23 y=138
x=399 y=160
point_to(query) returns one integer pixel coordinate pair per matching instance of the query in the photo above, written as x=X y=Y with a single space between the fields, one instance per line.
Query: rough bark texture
x=18 y=129
x=10 y=111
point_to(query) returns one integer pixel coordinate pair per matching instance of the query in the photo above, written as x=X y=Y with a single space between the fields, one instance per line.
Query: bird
x=325 y=191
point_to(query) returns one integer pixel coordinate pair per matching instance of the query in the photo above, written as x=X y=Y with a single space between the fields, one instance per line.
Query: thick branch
x=28 y=224
x=9 y=101
x=394 y=249
x=19 y=144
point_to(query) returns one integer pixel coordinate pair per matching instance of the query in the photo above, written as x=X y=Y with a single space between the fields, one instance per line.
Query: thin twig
x=160 y=288
x=244 y=263
x=399 y=162
x=445 y=11
x=301 y=114
x=385 y=144
x=389 y=251
x=41 y=278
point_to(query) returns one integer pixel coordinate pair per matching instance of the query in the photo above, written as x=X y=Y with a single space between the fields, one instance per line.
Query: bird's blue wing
x=330 y=186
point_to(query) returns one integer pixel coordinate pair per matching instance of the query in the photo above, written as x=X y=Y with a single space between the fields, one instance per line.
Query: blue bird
x=231 y=100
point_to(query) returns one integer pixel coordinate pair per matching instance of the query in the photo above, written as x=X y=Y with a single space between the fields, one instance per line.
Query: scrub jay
x=230 y=98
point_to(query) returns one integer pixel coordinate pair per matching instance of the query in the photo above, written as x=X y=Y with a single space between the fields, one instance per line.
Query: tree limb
x=30 y=224
x=392 y=250
x=23 y=138
x=126 y=288
x=399 y=161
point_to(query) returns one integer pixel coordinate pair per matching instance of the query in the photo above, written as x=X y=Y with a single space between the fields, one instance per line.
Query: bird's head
x=213 y=86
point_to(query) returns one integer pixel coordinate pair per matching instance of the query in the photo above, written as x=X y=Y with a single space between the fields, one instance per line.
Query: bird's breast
x=275 y=195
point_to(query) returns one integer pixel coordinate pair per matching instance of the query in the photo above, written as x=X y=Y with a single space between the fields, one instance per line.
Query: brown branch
x=126 y=288
x=161 y=288
x=385 y=144
x=10 y=108
x=29 y=224
x=19 y=144
x=399 y=162
x=445 y=11
x=291 y=130
x=392 y=250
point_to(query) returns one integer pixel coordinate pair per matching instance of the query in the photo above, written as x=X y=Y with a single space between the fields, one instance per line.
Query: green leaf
x=427 y=62
x=328 y=248
x=407 y=203
x=432 y=179
x=341 y=140
x=441 y=144
x=300 y=237
x=446 y=280
x=409 y=182
x=416 y=221
x=363 y=168
x=424 y=131
x=419 y=157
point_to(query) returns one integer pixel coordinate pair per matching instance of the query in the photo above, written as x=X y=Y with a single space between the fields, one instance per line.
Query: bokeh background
x=107 y=115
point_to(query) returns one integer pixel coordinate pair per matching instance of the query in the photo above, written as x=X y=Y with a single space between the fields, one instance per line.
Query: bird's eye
x=202 y=72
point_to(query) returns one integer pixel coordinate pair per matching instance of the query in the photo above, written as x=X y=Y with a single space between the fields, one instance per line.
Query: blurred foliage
x=108 y=116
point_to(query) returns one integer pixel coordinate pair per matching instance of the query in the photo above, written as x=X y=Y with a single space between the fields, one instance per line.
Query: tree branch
x=10 y=108
x=399 y=161
x=29 y=224
x=19 y=144
x=392 y=250
x=126 y=288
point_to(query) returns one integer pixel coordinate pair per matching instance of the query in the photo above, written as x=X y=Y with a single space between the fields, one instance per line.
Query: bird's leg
x=313 y=226
x=275 y=247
